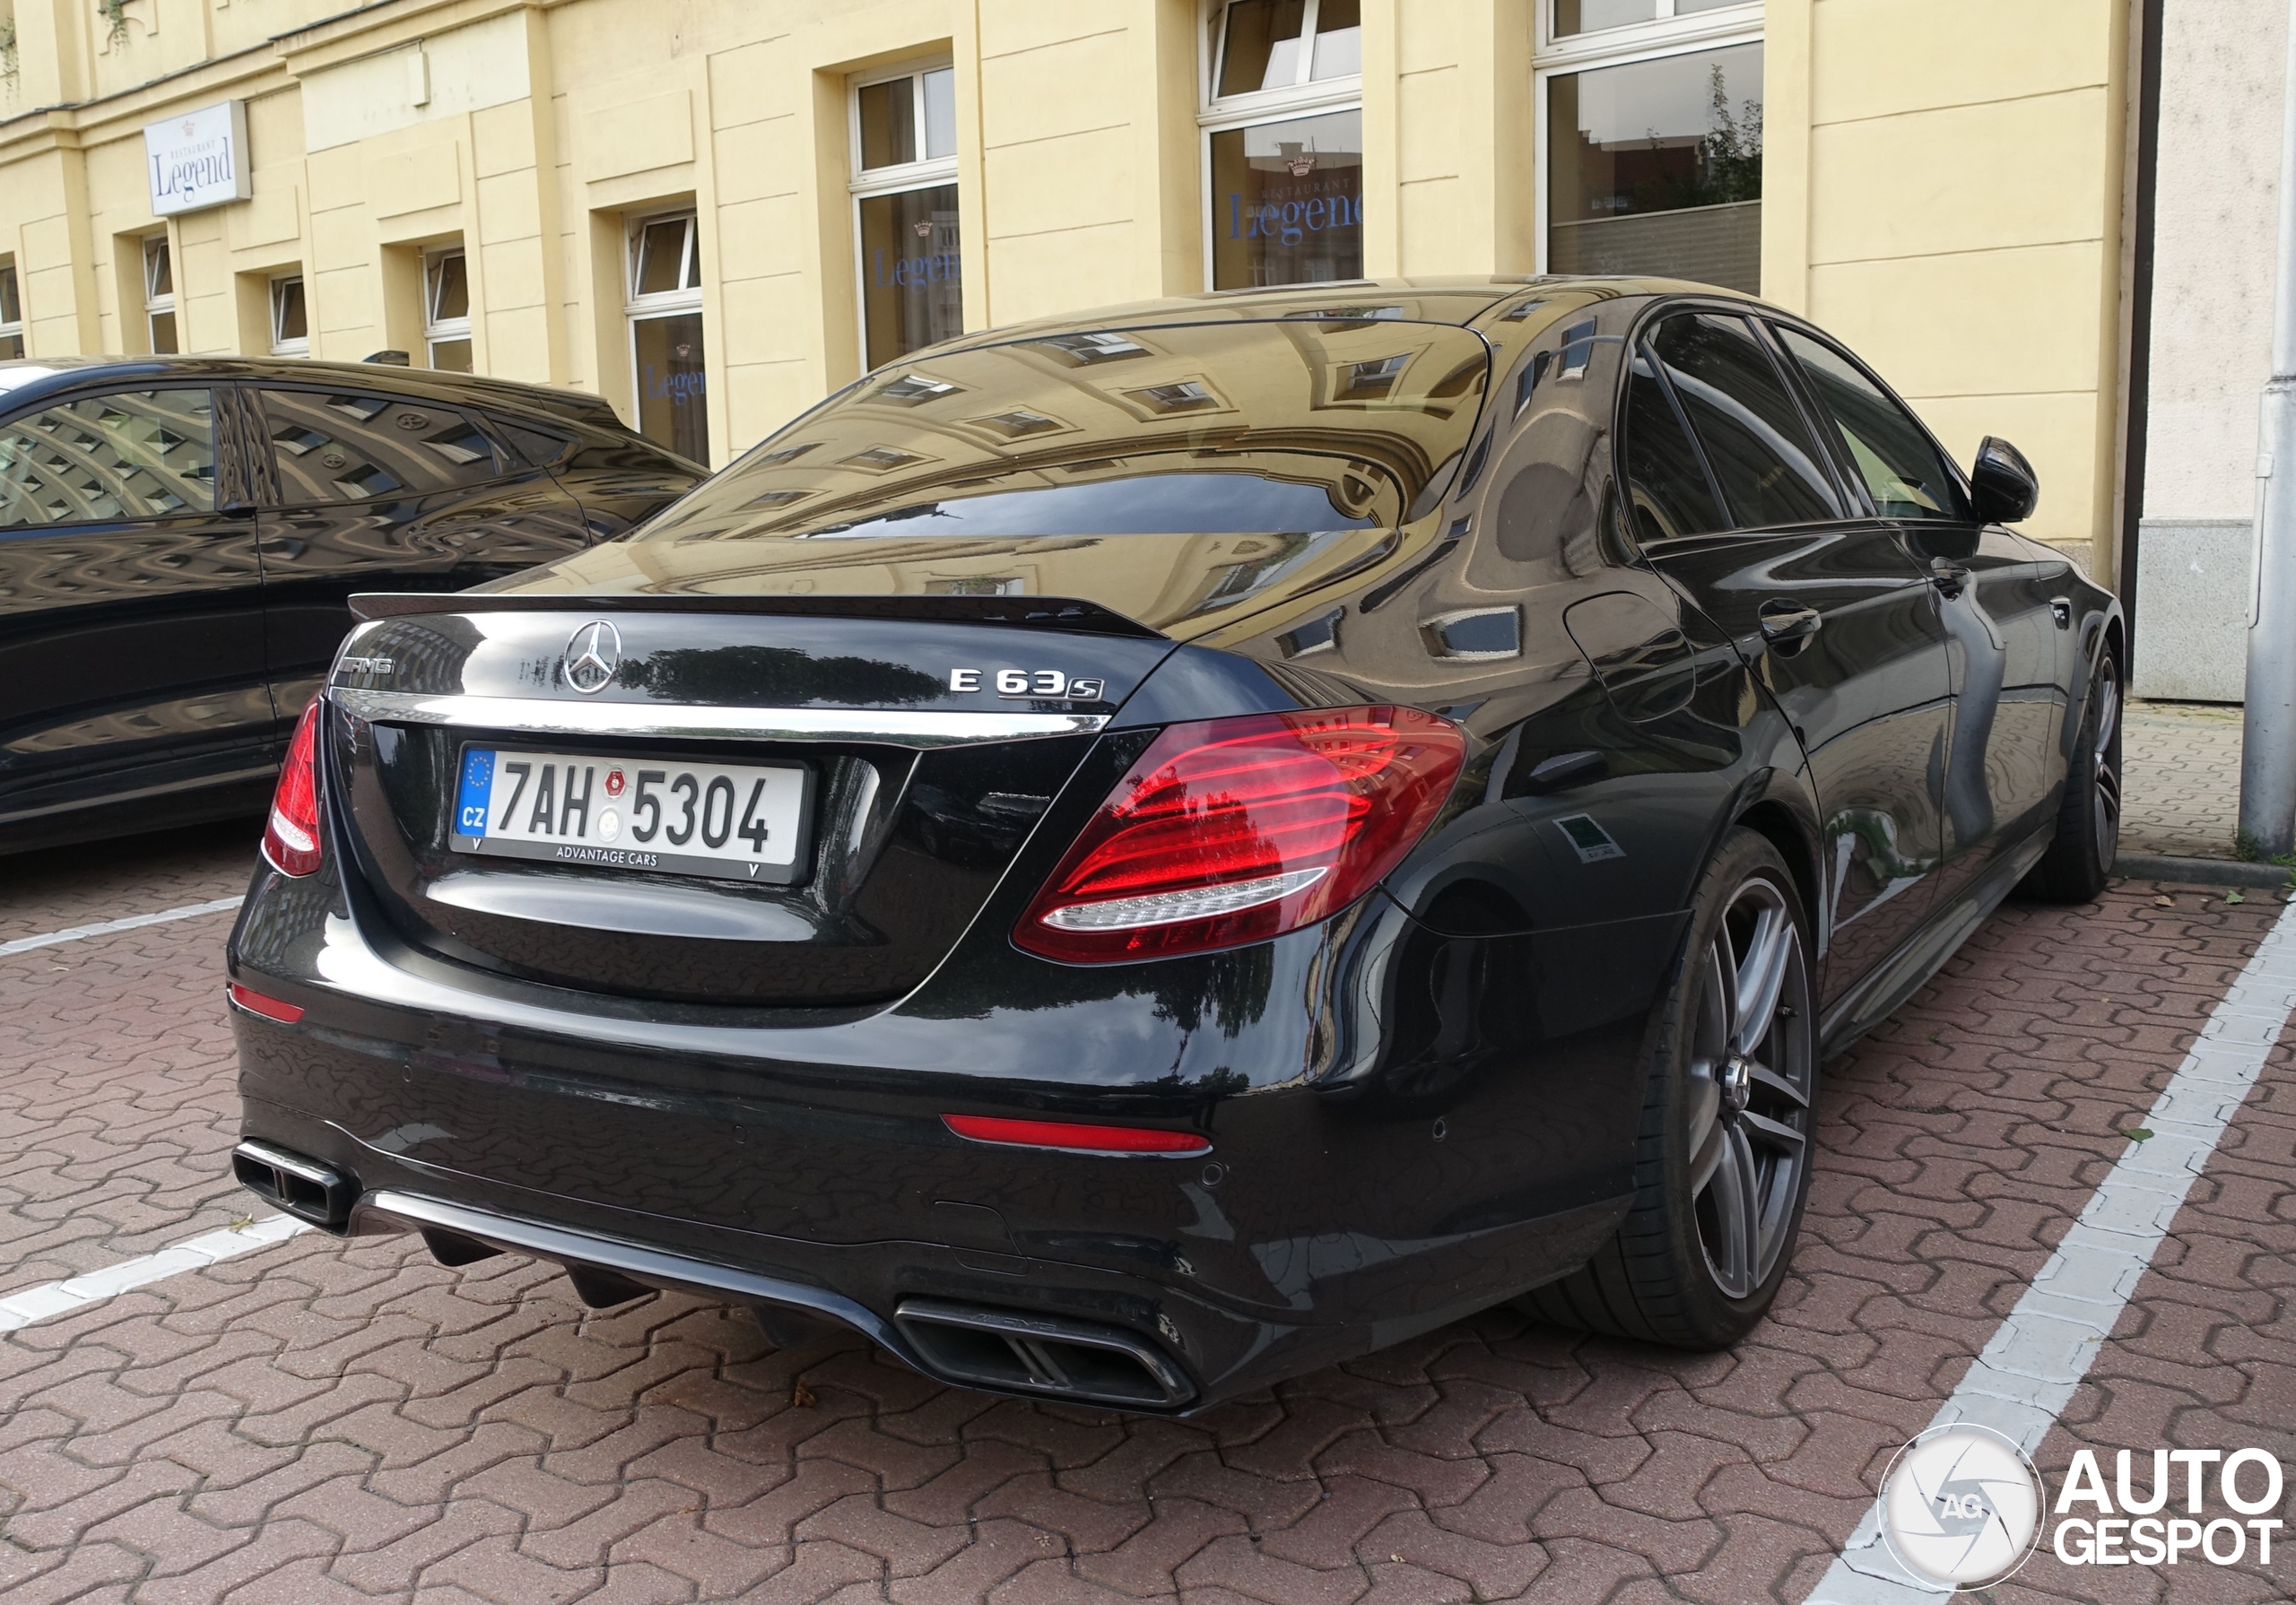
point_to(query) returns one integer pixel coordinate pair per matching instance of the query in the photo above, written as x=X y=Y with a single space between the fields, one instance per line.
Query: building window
x=1282 y=120
x=160 y=296
x=446 y=310
x=664 y=312
x=1652 y=111
x=11 y=313
x=905 y=211
x=290 y=331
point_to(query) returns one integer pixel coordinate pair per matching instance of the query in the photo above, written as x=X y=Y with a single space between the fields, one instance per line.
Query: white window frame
x=13 y=330
x=298 y=346
x=638 y=308
x=926 y=172
x=156 y=305
x=686 y=298
x=1665 y=35
x=434 y=328
x=1217 y=114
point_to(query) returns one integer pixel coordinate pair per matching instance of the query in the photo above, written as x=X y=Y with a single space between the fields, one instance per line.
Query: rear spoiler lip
x=1073 y=615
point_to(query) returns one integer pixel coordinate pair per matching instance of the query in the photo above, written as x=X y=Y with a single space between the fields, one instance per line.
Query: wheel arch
x=1773 y=821
x=2104 y=631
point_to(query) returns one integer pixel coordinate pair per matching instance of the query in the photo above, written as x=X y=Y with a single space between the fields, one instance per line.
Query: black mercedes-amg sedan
x=180 y=537
x=1129 y=857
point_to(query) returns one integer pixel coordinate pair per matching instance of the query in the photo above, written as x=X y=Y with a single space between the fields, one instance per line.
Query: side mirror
x=2002 y=486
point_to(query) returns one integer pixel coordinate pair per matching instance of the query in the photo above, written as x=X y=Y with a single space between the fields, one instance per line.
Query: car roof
x=28 y=378
x=1465 y=299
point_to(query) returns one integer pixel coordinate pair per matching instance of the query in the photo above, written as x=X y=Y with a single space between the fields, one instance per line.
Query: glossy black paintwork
x=1419 y=1107
x=907 y=844
x=2012 y=667
x=153 y=667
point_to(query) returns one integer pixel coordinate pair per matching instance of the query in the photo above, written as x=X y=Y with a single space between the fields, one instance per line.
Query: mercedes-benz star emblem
x=592 y=655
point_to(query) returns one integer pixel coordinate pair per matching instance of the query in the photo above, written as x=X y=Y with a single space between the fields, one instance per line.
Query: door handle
x=1949 y=578
x=1787 y=625
x=281 y=546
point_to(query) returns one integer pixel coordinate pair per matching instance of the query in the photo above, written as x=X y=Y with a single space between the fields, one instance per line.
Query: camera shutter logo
x=1960 y=1507
x=591 y=656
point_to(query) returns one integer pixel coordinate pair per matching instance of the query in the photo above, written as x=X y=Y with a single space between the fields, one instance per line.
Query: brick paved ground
x=115 y=1090
x=318 y=1422
x=142 y=874
x=2181 y=779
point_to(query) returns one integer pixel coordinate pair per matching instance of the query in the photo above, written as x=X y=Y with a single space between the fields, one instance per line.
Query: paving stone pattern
x=2180 y=769
x=81 y=885
x=328 y=1422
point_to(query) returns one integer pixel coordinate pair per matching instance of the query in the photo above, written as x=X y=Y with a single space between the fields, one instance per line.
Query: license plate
x=732 y=821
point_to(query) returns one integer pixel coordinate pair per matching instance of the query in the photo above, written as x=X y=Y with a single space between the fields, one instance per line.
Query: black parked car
x=179 y=536
x=1130 y=857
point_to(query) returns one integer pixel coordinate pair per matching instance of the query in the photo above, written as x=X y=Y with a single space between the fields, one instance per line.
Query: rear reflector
x=291 y=837
x=1078 y=1139
x=1229 y=831
x=255 y=1002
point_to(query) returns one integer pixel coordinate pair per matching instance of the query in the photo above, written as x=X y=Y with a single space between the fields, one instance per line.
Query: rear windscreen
x=1293 y=426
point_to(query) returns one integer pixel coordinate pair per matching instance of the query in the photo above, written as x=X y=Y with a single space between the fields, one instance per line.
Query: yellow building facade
x=715 y=211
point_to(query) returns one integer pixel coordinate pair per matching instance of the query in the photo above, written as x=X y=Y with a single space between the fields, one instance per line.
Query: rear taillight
x=1235 y=830
x=291 y=839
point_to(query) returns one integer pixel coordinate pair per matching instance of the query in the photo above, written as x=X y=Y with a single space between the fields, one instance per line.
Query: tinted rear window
x=1755 y=437
x=1279 y=427
x=344 y=446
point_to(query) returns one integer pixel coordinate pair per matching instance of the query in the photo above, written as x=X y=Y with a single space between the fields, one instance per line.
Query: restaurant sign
x=198 y=159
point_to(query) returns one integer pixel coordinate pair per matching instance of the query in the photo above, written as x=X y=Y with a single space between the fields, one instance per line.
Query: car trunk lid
x=912 y=756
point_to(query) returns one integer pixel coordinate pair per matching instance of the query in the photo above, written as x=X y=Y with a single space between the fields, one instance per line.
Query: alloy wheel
x=2105 y=791
x=1751 y=1077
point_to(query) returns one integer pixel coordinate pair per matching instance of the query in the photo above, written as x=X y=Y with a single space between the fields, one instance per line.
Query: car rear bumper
x=1170 y=1348
x=1217 y=1276
x=1377 y=1167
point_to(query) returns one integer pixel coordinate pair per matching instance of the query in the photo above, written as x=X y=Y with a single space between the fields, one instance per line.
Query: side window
x=339 y=447
x=541 y=448
x=1746 y=419
x=1909 y=477
x=1665 y=484
x=134 y=454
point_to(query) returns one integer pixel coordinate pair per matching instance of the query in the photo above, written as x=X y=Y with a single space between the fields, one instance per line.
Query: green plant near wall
x=114 y=15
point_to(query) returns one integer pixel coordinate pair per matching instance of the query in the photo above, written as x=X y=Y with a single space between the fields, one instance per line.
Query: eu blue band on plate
x=478 y=786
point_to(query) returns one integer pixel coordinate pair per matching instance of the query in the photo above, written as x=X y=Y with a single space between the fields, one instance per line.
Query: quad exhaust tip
x=1082 y=1360
x=308 y=1189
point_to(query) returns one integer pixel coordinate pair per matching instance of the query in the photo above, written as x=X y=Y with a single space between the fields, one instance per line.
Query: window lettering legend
x=914 y=273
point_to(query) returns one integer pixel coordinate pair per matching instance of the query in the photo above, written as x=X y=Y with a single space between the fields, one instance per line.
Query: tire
x=2080 y=860
x=1722 y=1160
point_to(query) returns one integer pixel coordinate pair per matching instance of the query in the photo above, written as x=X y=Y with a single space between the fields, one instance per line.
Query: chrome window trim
x=538 y=715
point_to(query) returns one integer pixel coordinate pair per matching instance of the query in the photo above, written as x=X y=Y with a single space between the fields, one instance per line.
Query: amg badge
x=1038 y=684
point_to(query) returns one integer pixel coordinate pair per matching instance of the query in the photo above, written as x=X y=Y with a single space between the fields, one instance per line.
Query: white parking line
x=50 y=1299
x=2028 y=1373
x=25 y=944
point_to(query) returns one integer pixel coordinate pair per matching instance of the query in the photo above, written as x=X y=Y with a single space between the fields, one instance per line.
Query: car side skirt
x=1897 y=977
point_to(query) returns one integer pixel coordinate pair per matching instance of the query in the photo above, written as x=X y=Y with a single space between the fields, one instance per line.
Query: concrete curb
x=2200 y=872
